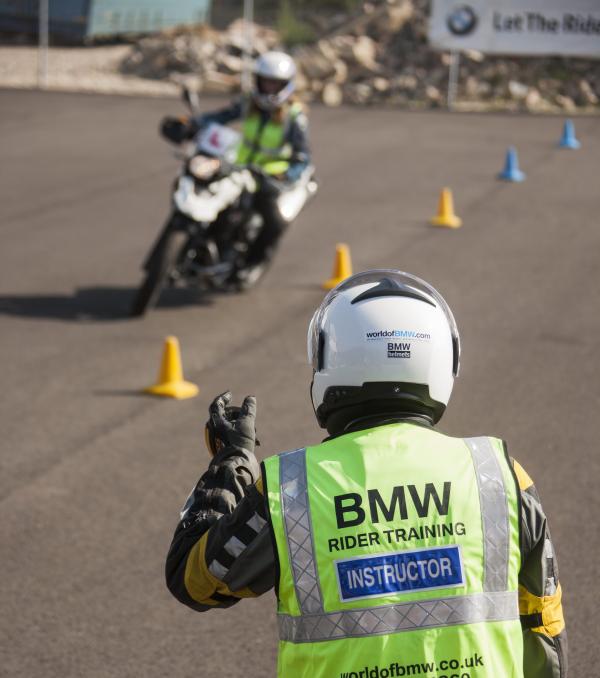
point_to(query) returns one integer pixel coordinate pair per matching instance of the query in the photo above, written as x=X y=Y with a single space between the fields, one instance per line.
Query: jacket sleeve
x=223 y=116
x=222 y=550
x=297 y=136
x=540 y=594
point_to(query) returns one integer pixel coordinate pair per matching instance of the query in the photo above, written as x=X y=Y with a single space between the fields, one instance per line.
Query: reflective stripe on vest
x=477 y=607
x=495 y=604
x=494 y=513
x=298 y=529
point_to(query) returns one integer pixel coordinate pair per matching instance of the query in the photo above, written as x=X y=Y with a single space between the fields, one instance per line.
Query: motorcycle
x=213 y=219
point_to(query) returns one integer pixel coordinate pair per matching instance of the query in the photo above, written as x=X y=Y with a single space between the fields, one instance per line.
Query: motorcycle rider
x=274 y=137
x=390 y=545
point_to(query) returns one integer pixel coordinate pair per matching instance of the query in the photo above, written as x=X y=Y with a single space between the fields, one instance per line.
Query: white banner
x=565 y=27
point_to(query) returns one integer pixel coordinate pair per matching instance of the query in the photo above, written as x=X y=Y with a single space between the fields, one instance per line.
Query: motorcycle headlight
x=203 y=167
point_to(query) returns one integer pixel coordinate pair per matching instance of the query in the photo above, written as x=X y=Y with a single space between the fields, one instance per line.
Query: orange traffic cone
x=342 y=267
x=170 y=379
x=445 y=216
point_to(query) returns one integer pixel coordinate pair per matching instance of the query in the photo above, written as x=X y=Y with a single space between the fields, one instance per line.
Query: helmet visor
x=269 y=86
x=404 y=282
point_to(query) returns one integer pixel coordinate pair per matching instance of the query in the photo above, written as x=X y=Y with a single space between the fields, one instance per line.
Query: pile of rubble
x=380 y=55
x=209 y=60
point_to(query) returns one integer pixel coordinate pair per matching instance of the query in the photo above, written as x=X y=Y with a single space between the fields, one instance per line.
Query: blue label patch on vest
x=403 y=571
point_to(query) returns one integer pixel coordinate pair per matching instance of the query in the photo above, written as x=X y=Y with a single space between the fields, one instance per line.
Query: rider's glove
x=175 y=129
x=231 y=427
x=294 y=172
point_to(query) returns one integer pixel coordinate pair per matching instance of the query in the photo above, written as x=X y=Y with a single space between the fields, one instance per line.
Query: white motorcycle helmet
x=382 y=341
x=274 y=74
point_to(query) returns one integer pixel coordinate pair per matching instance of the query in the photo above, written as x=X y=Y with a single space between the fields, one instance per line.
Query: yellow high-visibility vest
x=398 y=552
x=263 y=143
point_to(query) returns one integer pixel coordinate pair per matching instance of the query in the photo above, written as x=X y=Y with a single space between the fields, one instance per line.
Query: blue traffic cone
x=568 y=139
x=511 y=171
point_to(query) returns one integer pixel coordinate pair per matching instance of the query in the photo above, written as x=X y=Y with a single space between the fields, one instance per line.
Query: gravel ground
x=77 y=69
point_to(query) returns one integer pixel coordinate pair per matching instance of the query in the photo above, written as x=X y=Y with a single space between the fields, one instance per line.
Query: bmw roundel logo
x=462 y=20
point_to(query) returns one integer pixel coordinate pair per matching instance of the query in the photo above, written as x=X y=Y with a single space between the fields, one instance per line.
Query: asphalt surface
x=93 y=474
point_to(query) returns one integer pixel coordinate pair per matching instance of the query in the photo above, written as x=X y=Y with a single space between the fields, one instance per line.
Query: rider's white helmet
x=274 y=74
x=383 y=336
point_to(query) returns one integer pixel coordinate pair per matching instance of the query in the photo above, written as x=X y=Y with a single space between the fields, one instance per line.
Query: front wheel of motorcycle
x=160 y=266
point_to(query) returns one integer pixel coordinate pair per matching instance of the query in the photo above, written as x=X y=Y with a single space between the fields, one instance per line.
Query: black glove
x=295 y=171
x=231 y=426
x=175 y=129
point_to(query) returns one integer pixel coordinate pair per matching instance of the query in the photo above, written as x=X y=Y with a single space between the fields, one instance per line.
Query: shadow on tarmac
x=92 y=303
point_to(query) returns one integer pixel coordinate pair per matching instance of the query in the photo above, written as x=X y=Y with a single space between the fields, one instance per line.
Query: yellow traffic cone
x=342 y=267
x=445 y=216
x=170 y=379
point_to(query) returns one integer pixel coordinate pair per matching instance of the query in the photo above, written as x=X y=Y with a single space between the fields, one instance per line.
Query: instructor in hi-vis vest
x=394 y=550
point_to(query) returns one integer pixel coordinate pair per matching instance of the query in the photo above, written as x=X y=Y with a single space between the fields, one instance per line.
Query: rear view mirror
x=191 y=99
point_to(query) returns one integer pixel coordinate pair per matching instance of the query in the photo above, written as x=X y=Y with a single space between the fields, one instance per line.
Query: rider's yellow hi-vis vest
x=398 y=552
x=264 y=144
